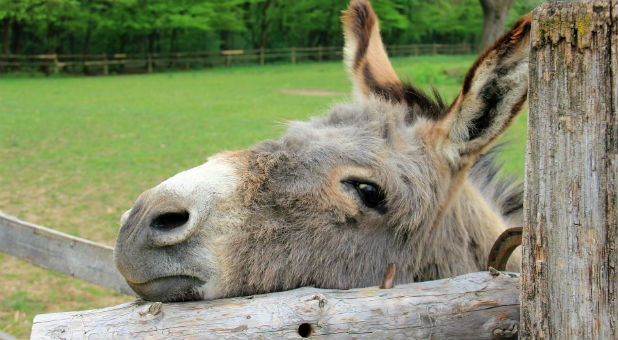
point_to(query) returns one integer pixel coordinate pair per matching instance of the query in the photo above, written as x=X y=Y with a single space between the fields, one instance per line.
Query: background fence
x=142 y=63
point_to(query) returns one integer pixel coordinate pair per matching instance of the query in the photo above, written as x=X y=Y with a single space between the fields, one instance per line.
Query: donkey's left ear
x=493 y=93
x=364 y=55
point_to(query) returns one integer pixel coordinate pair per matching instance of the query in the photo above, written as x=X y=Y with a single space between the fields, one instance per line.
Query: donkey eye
x=371 y=194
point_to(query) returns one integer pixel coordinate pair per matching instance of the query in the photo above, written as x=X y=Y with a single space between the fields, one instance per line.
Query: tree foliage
x=135 y=26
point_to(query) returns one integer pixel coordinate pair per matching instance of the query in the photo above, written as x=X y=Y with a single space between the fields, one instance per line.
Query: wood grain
x=63 y=253
x=472 y=306
x=569 y=243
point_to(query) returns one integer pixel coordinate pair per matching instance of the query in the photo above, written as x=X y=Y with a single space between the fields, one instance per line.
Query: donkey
x=395 y=176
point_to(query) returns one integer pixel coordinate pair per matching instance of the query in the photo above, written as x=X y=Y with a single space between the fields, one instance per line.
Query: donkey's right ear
x=364 y=55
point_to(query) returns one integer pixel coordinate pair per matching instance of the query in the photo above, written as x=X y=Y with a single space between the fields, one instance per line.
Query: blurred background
x=155 y=26
x=102 y=99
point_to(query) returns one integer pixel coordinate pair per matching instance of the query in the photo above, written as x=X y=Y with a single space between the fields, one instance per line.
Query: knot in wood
x=321 y=300
x=153 y=309
x=506 y=332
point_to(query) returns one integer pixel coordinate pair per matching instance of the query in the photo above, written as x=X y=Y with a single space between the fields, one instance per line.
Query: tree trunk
x=495 y=13
x=264 y=24
x=151 y=41
x=226 y=40
x=173 y=38
x=86 y=49
x=123 y=43
x=16 y=33
x=6 y=40
x=569 y=282
x=50 y=46
x=6 y=35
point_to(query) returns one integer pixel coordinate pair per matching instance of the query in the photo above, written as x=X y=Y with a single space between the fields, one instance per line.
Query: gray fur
x=284 y=213
x=295 y=237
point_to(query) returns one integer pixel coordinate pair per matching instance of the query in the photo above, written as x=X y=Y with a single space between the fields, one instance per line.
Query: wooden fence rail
x=150 y=62
x=569 y=277
x=474 y=306
x=63 y=253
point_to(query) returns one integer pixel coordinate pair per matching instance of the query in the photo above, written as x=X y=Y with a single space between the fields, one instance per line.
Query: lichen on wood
x=569 y=278
x=575 y=23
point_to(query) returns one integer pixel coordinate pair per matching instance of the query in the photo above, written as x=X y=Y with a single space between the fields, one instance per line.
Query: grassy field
x=75 y=152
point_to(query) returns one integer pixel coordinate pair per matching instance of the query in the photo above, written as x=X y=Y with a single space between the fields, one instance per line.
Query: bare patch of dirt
x=312 y=92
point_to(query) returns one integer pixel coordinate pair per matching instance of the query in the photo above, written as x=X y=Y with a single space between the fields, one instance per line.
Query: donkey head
x=330 y=204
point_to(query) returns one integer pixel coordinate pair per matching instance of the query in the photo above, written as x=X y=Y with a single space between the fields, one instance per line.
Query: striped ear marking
x=371 y=72
x=493 y=93
x=365 y=57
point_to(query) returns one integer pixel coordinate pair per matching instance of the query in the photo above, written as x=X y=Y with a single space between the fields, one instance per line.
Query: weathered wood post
x=293 y=55
x=56 y=63
x=187 y=59
x=149 y=62
x=262 y=56
x=569 y=282
x=105 y=65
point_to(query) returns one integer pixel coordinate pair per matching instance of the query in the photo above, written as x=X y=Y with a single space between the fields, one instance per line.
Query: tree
x=495 y=13
x=14 y=15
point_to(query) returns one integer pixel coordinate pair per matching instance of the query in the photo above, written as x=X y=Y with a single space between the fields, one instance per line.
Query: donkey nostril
x=170 y=221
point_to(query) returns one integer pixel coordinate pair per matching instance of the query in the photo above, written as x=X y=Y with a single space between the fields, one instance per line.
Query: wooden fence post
x=105 y=65
x=149 y=63
x=56 y=64
x=262 y=56
x=186 y=57
x=569 y=282
x=293 y=55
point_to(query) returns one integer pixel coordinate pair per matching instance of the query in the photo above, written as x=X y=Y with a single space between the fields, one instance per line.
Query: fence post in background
x=569 y=283
x=84 y=64
x=187 y=62
x=56 y=65
x=105 y=65
x=262 y=56
x=149 y=63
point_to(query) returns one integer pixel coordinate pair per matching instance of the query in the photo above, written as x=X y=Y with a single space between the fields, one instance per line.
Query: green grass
x=76 y=151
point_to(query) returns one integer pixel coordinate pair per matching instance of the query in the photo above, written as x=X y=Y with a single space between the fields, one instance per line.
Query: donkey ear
x=493 y=93
x=365 y=57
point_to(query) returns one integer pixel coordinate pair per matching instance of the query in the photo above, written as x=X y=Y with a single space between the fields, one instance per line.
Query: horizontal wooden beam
x=60 y=252
x=6 y=336
x=474 y=306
